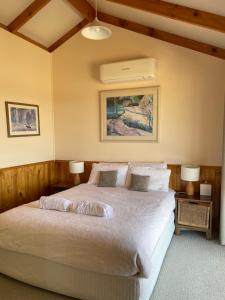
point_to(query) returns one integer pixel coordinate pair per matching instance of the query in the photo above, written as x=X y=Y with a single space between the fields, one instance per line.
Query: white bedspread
x=122 y=245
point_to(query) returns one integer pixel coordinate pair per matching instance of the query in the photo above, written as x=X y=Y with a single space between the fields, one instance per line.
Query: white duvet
x=122 y=245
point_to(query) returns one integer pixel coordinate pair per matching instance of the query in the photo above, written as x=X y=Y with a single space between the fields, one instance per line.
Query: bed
x=88 y=257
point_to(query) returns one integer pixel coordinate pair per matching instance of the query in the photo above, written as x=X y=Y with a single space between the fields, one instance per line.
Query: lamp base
x=76 y=179
x=190 y=188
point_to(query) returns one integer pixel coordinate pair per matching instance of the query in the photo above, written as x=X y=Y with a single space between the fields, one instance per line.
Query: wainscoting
x=22 y=184
x=210 y=174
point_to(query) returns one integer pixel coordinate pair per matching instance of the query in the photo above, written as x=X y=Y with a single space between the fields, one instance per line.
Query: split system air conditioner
x=131 y=70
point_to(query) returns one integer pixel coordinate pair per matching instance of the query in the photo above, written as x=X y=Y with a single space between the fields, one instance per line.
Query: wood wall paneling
x=26 y=183
x=62 y=171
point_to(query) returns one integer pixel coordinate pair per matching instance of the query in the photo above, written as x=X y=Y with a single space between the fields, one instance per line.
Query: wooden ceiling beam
x=178 y=12
x=27 y=14
x=83 y=6
x=164 y=36
x=68 y=35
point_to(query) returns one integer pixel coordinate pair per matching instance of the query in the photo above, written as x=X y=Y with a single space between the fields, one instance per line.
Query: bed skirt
x=81 y=284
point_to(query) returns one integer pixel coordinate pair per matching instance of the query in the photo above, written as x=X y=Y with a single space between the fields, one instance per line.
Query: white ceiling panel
x=213 y=6
x=177 y=27
x=10 y=9
x=52 y=22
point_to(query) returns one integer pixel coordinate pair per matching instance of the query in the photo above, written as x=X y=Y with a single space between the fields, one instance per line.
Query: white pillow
x=159 y=178
x=153 y=164
x=121 y=175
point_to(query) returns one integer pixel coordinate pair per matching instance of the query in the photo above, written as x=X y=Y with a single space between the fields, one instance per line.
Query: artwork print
x=22 y=119
x=130 y=115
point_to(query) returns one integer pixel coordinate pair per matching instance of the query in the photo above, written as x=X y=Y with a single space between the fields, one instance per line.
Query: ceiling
x=56 y=20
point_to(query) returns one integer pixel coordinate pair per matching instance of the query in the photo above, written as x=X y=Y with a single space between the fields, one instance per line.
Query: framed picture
x=130 y=114
x=22 y=119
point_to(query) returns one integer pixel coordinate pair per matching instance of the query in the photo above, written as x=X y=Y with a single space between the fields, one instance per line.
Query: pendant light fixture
x=95 y=30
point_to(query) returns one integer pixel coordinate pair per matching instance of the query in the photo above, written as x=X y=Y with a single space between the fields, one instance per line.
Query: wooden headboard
x=211 y=174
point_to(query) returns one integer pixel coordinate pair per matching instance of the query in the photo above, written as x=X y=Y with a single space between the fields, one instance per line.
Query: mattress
x=120 y=246
x=83 y=284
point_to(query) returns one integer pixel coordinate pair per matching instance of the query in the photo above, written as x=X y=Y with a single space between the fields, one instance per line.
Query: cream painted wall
x=25 y=76
x=191 y=103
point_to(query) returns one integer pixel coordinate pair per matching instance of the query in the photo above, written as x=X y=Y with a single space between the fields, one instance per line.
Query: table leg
x=177 y=231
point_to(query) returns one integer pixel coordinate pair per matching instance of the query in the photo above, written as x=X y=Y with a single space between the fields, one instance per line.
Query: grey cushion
x=107 y=178
x=139 y=183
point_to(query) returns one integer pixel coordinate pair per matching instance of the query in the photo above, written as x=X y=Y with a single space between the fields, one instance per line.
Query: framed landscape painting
x=130 y=114
x=22 y=119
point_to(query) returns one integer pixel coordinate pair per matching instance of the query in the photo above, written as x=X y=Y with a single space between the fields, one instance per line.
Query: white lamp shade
x=96 y=31
x=190 y=172
x=76 y=167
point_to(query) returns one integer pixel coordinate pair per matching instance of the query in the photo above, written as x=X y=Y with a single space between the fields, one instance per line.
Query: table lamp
x=190 y=173
x=76 y=167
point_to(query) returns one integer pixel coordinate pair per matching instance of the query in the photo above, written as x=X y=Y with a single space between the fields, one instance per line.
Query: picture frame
x=130 y=114
x=22 y=119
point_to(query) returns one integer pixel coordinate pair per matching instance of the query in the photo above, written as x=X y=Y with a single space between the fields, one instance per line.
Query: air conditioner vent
x=131 y=70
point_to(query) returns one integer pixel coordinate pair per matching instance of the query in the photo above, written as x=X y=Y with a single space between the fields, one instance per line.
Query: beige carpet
x=194 y=269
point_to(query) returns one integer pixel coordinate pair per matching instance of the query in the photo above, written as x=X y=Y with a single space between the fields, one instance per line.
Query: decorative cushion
x=121 y=175
x=107 y=178
x=139 y=183
x=159 y=177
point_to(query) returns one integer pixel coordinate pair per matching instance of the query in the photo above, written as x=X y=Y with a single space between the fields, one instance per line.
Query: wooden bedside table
x=61 y=186
x=193 y=213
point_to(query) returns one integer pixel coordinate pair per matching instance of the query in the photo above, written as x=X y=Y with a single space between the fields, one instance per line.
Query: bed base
x=81 y=284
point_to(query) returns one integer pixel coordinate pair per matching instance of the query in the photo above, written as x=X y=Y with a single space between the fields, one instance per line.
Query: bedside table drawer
x=193 y=214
